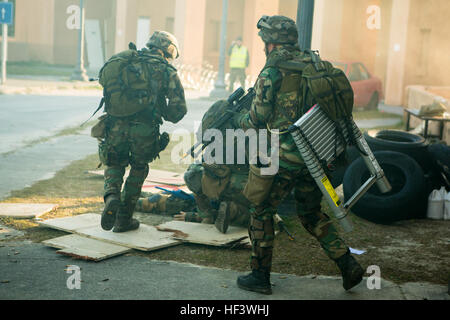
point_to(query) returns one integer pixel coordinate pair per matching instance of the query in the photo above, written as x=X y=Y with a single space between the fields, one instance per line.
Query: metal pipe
x=305 y=14
x=4 y=49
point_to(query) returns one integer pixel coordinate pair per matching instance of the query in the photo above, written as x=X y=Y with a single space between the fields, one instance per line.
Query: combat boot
x=257 y=281
x=125 y=221
x=223 y=217
x=351 y=270
x=112 y=204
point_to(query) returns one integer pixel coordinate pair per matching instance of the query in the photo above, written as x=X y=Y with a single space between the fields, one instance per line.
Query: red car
x=367 y=88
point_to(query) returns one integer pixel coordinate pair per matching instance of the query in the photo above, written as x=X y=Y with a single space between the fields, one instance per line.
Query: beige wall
x=34 y=25
x=340 y=33
x=189 y=29
x=428 y=43
x=212 y=29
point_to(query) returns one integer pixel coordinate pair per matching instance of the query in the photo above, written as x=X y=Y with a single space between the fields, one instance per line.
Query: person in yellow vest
x=239 y=60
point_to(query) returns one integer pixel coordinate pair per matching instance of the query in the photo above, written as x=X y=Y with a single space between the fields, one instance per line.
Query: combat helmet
x=166 y=42
x=277 y=30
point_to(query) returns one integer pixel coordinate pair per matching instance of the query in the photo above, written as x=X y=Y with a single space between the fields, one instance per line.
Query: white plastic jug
x=447 y=207
x=436 y=202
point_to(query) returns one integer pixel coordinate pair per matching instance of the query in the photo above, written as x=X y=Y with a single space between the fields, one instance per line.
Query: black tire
x=406 y=200
x=337 y=176
x=407 y=143
x=373 y=102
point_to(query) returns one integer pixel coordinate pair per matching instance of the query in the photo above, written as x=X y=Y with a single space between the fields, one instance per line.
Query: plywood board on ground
x=25 y=210
x=73 y=223
x=85 y=248
x=158 y=176
x=146 y=238
x=201 y=233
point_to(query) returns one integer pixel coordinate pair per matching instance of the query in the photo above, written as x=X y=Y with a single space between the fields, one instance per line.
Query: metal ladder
x=320 y=143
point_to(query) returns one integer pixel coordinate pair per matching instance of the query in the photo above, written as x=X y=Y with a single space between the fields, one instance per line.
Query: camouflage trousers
x=127 y=142
x=308 y=204
x=207 y=207
x=171 y=205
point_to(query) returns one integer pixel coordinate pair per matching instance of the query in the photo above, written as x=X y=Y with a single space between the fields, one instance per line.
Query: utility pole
x=305 y=14
x=4 y=42
x=79 y=73
x=219 y=90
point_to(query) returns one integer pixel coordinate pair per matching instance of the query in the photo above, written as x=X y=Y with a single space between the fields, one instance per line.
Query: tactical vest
x=238 y=57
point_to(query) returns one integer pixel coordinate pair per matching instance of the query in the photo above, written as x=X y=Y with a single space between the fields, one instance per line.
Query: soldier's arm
x=176 y=106
x=261 y=110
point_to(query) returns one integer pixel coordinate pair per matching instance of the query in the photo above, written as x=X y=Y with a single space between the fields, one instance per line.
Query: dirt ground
x=415 y=250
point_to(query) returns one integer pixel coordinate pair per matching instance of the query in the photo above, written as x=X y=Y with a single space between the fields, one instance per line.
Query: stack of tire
x=410 y=166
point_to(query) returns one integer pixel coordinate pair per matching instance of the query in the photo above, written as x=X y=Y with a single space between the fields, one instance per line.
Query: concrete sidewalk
x=33 y=271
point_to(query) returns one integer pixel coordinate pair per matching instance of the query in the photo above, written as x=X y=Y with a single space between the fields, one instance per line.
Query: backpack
x=328 y=85
x=127 y=83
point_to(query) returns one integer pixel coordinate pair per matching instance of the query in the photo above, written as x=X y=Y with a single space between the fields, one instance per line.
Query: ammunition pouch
x=98 y=131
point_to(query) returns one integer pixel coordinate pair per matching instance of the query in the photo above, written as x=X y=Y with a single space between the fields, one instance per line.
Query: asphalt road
x=29 y=118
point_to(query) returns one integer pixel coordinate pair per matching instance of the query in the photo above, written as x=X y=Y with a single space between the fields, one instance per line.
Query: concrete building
x=403 y=42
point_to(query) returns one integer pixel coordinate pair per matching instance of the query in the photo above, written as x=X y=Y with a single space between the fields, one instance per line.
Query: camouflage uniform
x=208 y=198
x=135 y=140
x=205 y=208
x=163 y=203
x=276 y=106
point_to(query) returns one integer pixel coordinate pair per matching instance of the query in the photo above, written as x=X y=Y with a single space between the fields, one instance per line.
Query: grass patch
x=415 y=250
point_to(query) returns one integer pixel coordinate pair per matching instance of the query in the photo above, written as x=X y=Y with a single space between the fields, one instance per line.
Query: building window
x=11 y=28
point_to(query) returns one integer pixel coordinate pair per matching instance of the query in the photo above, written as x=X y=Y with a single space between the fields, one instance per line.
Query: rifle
x=238 y=101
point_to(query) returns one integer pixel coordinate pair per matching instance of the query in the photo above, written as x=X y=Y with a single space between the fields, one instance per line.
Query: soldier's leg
x=130 y=196
x=193 y=179
x=308 y=197
x=133 y=185
x=113 y=184
x=113 y=180
x=262 y=235
x=144 y=147
x=205 y=209
x=239 y=215
x=113 y=153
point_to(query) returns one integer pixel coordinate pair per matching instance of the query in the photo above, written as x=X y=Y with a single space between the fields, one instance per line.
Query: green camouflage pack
x=316 y=81
x=131 y=82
